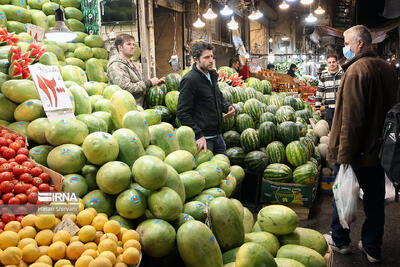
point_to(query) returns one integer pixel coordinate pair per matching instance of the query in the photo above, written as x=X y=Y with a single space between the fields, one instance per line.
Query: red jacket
x=244 y=72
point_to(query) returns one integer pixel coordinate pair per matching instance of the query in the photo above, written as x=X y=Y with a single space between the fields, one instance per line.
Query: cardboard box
x=288 y=193
x=326 y=184
x=16 y=133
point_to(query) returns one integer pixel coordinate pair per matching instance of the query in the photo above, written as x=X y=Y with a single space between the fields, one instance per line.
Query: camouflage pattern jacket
x=128 y=75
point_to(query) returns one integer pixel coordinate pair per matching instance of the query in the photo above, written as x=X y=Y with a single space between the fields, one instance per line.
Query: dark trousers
x=329 y=116
x=217 y=145
x=372 y=182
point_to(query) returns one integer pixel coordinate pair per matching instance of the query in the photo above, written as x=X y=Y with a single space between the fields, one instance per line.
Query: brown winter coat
x=367 y=91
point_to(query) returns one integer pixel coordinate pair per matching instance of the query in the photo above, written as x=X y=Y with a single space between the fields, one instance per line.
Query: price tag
x=67 y=225
x=54 y=95
x=36 y=32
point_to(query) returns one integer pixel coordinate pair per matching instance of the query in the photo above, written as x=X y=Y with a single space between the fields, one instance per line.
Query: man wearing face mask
x=201 y=103
x=367 y=91
x=327 y=87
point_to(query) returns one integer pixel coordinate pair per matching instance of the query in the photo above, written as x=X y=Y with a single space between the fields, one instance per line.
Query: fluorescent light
x=319 y=11
x=285 y=38
x=209 y=14
x=306 y=2
x=233 y=25
x=60 y=32
x=270 y=40
x=259 y=14
x=284 y=5
x=253 y=15
x=199 y=23
x=271 y=58
x=291 y=1
x=311 y=19
x=226 y=11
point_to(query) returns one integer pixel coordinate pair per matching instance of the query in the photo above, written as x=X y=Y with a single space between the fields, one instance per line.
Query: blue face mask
x=347 y=52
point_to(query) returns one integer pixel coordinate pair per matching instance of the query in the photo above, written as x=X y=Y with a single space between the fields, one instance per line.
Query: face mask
x=347 y=52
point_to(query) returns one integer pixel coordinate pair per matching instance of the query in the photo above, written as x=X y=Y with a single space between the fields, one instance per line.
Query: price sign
x=54 y=95
x=36 y=32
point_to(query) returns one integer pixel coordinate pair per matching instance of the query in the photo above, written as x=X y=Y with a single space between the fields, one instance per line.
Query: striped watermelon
x=267 y=116
x=254 y=83
x=236 y=155
x=275 y=100
x=309 y=145
x=313 y=136
x=227 y=95
x=278 y=172
x=302 y=129
x=314 y=161
x=262 y=98
x=266 y=86
x=307 y=105
x=249 y=140
x=155 y=96
x=166 y=115
x=285 y=113
x=250 y=93
x=272 y=108
x=223 y=86
x=177 y=122
x=254 y=108
x=304 y=113
x=290 y=101
x=242 y=95
x=238 y=109
x=288 y=132
x=276 y=152
x=235 y=94
x=172 y=81
x=227 y=124
x=243 y=121
x=267 y=133
x=300 y=104
x=171 y=101
x=296 y=153
x=256 y=161
x=305 y=174
x=232 y=138
x=301 y=120
x=317 y=155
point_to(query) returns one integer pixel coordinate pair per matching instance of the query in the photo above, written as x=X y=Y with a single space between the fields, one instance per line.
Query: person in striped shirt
x=327 y=87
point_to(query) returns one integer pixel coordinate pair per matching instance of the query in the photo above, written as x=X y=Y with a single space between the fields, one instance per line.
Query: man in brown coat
x=368 y=90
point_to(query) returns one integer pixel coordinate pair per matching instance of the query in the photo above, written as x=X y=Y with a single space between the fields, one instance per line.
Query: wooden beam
x=171 y=4
x=152 y=48
x=144 y=39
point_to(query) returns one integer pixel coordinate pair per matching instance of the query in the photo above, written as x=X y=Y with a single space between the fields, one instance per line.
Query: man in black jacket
x=201 y=103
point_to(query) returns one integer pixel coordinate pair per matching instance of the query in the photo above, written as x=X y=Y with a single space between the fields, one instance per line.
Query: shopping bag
x=346 y=191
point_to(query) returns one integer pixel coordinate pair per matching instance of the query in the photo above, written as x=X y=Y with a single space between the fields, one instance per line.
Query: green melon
x=203 y=156
x=180 y=160
x=283 y=262
x=267 y=240
x=74 y=74
x=248 y=220
x=66 y=159
x=156 y=151
x=253 y=254
x=66 y=131
x=130 y=147
x=89 y=172
x=7 y=108
x=19 y=91
x=36 y=130
x=130 y=204
x=152 y=116
x=40 y=153
x=193 y=182
x=304 y=255
x=75 y=183
x=93 y=123
x=106 y=117
x=196 y=209
x=113 y=177
x=100 y=147
x=277 y=219
x=182 y=218
x=135 y=121
x=307 y=238
x=100 y=201
x=150 y=172
x=175 y=183
x=165 y=204
x=19 y=127
x=164 y=137
x=121 y=103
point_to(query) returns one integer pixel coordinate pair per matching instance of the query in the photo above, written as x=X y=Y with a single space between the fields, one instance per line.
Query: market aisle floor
x=320 y=221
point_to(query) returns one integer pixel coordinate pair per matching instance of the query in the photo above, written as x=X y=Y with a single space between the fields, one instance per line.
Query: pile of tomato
x=20 y=178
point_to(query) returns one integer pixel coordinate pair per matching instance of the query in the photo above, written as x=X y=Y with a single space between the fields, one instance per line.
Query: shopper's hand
x=318 y=112
x=161 y=80
x=201 y=143
x=154 y=81
x=231 y=112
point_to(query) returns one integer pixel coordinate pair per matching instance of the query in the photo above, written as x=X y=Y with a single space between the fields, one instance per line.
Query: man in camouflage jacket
x=125 y=73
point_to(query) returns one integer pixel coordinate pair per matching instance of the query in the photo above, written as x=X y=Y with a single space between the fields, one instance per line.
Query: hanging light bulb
x=306 y=2
x=233 y=25
x=226 y=11
x=311 y=18
x=270 y=40
x=319 y=10
x=284 y=5
x=209 y=14
x=253 y=15
x=259 y=14
x=199 y=23
x=60 y=32
x=285 y=38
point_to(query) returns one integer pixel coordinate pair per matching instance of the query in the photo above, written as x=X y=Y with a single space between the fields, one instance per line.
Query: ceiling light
x=291 y=1
x=233 y=25
x=284 y=5
x=226 y=11
x=271 y=58
x=319 y=11
x=60 y=32
x=259 y=14
x=285 y=38
x=270 y=40
x=209 y=14
x=253 y=15
x=306 y=2
x=199 y=23
x=310 y=18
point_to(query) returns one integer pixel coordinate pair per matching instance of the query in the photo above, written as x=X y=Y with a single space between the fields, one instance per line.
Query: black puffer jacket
x=200 y=105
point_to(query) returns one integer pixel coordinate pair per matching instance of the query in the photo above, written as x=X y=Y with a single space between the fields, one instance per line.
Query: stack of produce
x=98 y=241
x=14 y=15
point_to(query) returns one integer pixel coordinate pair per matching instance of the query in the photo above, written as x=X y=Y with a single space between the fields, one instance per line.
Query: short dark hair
x=232 y=61
x=293 y=66
x=199 y=47
x=270 y=66
x=123 y=38
x=332 y=56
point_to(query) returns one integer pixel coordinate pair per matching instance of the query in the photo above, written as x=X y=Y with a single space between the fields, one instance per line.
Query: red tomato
x=20 y=142
x=36 y=181
x=6 y=187
x=28 y=164
x=20 y=217
x=14 y=201
x=45 y=177
x=9 y=142
x=6 y=176
x=36 y=171
x=3 y=148
x=44 y=188
x=32 y=189
x=5 y=218
x=20 y=188
x=2 y=161
x=3 y=141
x=26 y=178
x=2 y=224
x=52 y=189
x=14 y=136
x=22 y=198
x=15 y=146
x=23 y=151
x=33 y=197
x=9 y=153
x=4 y=131
x=5 y=167
x=15 y=181
x=20 y=158
x=1 y=202
x=6 y=197
x=19 y=170
x=39 y=203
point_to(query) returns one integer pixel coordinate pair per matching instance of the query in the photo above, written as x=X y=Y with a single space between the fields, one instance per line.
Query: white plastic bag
x=346 y=191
